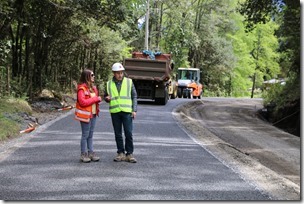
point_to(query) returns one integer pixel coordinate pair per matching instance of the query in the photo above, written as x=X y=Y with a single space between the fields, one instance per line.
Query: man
x=122 y=96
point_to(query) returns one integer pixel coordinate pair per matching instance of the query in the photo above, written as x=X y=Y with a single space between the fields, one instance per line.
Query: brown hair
x=86 y=77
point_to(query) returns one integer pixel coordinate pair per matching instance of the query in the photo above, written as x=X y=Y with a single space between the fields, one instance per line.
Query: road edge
x=10 y=146
x=256 y=174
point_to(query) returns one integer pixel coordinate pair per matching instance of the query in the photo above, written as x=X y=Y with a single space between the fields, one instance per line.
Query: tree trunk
x=253 y=85
x=20 y=67
x=14 y=53
x=159 y=26
x=8 y=82
x=256 y=57
x=95 y=60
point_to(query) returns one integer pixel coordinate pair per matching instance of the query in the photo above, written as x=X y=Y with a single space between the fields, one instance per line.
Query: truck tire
x=174 y=94
x=201 y=95
x=190 y=94
x=185 y=94
x=179 y=92
x=163 y=101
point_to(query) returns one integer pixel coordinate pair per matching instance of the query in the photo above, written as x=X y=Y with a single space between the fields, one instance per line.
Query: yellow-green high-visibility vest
x=120 y=101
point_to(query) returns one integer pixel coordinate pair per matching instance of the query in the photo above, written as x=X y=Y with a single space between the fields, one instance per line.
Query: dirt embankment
x=232 y=131
x=47 y=109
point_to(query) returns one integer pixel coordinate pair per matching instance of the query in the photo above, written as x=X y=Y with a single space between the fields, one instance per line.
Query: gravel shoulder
x=233 y=132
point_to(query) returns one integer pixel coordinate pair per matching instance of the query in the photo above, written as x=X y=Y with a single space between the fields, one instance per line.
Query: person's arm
x=134 y=101
x=97 y=93
x=106 y=96
x=86 y=102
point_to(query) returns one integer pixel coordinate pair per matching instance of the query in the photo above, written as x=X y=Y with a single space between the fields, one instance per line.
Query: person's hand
x=99 y=99
x=133 y=115
x=108 y=98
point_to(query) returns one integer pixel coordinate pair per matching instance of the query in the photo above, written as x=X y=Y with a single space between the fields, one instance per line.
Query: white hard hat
x=117 y=67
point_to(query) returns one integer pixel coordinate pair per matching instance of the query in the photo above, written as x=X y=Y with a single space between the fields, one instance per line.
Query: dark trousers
x=125 y=120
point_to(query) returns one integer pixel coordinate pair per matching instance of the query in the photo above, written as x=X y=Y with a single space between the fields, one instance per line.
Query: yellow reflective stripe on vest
x=129 y=84
x=120 y=101
x=122 y=105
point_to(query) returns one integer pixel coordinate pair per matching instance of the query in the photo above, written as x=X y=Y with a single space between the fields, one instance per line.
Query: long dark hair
x=85 y=77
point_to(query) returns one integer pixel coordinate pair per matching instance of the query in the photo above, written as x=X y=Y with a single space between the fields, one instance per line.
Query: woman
x=87 y=108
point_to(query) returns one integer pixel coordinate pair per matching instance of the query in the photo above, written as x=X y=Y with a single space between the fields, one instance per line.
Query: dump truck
x=151 y=75
x=189 y=85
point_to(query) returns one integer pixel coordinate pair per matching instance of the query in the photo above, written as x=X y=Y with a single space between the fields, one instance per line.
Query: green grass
x=10 y=120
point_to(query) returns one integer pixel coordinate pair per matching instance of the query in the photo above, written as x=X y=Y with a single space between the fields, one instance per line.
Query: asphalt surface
x=232 y=130
x=171 y=165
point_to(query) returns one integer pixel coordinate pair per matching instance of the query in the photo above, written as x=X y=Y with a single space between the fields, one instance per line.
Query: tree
x=214 y=52
x=46 y=43
x=286 y=99
x=287 y=13
x=49 y=44
x=264 y=54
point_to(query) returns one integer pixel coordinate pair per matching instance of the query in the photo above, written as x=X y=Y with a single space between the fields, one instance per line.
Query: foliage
x=237 y=44
x=287 y=13
x=46 y=44
x=280 y=96
x=274 y=91
x=52 y=41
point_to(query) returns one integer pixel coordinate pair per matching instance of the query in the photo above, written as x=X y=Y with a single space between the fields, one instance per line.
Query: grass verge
x=11 y=111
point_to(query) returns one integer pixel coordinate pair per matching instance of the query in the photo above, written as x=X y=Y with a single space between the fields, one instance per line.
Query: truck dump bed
x=141 y=67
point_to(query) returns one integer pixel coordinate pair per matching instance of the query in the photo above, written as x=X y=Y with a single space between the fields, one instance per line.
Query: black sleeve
x=134 y=98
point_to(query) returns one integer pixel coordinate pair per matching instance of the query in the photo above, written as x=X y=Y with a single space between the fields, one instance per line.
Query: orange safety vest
x=83 y=113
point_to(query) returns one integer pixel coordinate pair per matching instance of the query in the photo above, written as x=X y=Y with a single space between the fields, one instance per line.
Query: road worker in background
x=87 y=108
x=121 y=94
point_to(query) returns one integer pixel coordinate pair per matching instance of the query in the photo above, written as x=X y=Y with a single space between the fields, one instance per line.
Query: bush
x=283 y=95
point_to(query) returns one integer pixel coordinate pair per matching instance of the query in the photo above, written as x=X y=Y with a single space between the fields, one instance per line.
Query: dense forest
x=237 y=44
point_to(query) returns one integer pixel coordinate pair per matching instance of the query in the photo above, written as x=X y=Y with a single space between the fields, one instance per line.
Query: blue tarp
x=151 y=54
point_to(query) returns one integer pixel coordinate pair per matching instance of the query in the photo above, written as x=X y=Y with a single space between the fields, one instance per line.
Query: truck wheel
x=201 y=95
x=162 y=101
x=190 y=94
x=185 y=95
x=179 y=92
x=174 y=94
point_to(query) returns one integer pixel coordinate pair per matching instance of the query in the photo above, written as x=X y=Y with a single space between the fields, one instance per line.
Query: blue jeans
x=86 y=142
x=125 y=120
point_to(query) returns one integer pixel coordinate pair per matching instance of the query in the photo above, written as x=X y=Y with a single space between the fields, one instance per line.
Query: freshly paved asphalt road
x=171 y=166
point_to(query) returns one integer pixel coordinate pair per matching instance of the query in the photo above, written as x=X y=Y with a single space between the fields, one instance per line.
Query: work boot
x=93 y=157
x=120 y=157
x=130 y=158
x=84 y=157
